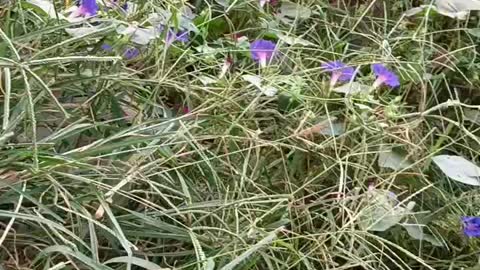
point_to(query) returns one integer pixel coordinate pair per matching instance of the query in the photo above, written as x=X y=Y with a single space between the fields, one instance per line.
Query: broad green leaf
x=457 y=9
x=474 y=32
x=325 y=126
x=458 y=169
x=352 y=88
x=472 y=115
x=81 y=31
x=206 y=80
x=382 y=211
x=256 y=81
x=290 y=40
x=416 y=232
x=139 y=35
x=393 y=160
x=294 y=10
x=47 y=7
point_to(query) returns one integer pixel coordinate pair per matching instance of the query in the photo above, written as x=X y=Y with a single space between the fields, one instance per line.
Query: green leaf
x=352 y=88
x=46 y=6
x=416 y=232
x=382 y=211
x=388 y=158
x=458 y=169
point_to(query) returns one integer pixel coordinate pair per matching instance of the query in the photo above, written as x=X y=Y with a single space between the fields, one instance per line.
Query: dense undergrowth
x=149 y=136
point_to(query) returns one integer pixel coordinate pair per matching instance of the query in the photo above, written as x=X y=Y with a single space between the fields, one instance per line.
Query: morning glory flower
x=262 y=51
x=471 y=226
x=87 y=8
x=182 y=36
x=172 y=35
x=131 y=53
x=384 y=76
x=340 y=72
x=107 y=47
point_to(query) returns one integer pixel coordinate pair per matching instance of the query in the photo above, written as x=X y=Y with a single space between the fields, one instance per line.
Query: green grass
x=101 y=168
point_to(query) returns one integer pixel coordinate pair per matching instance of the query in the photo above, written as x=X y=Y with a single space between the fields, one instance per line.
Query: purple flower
x=106 y=47
x=384 y=76
x=87 y=8
x=131 y=53
x=172 y=35
x=471 y=226
x=262 y=51
x=182 y=36
x=340 y=72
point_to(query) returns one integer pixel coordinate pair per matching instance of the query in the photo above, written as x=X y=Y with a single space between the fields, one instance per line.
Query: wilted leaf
x=416 y=232
x=393 y=160
x=458 y=169
x=329 y=127
x=352 y=88
x=382 y=211
x=8 y=178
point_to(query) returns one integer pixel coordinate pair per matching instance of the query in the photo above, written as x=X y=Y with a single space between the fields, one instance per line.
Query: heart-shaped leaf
x=382 y=211
x=47 y=7
x=352 y=88
x=457 y=9
x=416 y=231
x=458 y=169
x=472 y=115
x=393 y=160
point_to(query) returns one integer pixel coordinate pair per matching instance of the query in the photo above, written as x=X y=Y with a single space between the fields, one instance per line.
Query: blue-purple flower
x=172 y=35
x=87 y=8
x=107 y=47
x=471 y=226
x=131 y=53
x=385 y=76
x=182 y=36
x=340 y=72
x=262 y=51
x=128 y=54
